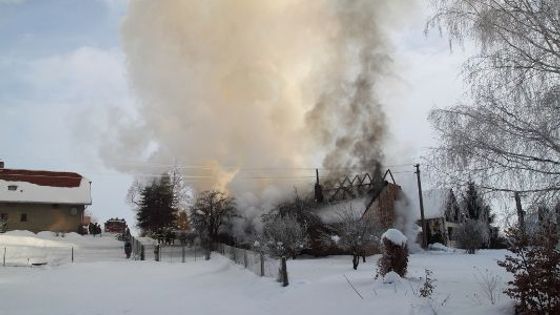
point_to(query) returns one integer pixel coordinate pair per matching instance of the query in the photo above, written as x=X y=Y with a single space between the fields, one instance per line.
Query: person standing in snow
x=127 y=249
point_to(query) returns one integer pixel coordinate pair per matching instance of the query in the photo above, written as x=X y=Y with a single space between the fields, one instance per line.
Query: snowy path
x=219 y=287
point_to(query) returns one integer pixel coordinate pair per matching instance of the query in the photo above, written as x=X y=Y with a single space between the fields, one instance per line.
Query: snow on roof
x=331 y=213
x=394 y=236
x=435 y=201
x=27 y=186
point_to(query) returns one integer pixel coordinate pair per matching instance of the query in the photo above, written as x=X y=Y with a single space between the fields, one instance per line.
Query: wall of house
x=42 y=217
x=383 y=209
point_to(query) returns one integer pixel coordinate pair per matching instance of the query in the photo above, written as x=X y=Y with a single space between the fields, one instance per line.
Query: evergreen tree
x=155 y=210
x=474 y=206
x=475 y=230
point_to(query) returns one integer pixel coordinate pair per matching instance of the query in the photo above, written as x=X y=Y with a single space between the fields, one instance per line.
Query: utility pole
x=423 y=221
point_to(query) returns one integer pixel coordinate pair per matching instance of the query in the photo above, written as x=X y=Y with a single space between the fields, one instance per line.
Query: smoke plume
x=247 y=95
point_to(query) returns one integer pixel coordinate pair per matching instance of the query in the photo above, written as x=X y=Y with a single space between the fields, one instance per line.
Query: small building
x=37 y=200
x=115 y=225
x=442 y=216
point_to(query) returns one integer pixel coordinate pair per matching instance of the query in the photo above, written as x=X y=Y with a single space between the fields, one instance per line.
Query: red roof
x=42 y=178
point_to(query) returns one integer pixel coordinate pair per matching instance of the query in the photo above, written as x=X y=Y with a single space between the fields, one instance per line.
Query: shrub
x=394 y=251
x=428 y=286
x=471 y=235
x=535 y=265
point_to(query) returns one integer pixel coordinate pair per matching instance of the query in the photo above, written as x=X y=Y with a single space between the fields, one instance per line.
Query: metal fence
x=258 y=263
x=148 y=249
x=18 y=256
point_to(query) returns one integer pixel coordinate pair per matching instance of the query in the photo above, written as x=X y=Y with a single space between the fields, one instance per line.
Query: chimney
x=318 y=189
x=1 y=164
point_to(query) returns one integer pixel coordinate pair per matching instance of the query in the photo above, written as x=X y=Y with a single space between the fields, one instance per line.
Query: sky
x=63 y=80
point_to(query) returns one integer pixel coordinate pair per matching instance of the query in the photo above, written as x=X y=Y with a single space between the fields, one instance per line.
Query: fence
x=258 y=263
x=148 y=249
x=16 y=256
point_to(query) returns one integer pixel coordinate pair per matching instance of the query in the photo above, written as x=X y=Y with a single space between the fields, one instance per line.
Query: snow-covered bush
x=472 y=235
x=3 y=225
x=394 y=255
x=535 y=265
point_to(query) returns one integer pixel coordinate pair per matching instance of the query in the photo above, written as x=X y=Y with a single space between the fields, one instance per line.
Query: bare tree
x=209 y=214
x=354 y=234
x=508 y=137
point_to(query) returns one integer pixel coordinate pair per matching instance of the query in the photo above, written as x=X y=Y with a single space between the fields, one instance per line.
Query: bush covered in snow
x=394 y=255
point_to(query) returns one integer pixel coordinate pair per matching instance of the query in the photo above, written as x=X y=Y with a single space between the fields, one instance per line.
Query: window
x=3 y=217
x=12 y=187
x=23 y=217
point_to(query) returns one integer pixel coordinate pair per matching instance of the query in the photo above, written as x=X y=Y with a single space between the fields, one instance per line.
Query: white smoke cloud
x=249 y=94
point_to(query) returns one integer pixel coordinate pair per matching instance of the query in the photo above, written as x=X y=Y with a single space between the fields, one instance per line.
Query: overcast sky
x=63 y=72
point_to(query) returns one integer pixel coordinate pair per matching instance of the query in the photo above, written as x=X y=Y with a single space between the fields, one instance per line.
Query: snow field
x=23 y=248
x=317 y=286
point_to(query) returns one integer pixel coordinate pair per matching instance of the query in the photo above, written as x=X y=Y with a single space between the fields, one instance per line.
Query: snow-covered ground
x=110 y=284
x=23 y=248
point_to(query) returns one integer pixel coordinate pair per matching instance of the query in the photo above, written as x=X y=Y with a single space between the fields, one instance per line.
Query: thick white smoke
x=249 y=94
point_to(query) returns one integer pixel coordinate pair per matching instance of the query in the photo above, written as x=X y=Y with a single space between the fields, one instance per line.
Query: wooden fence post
x=262 y=264
x=72 y=253
x=142 y=255
x=284 y=273
x=4 y=259
x=245 y=262
x=183 y=253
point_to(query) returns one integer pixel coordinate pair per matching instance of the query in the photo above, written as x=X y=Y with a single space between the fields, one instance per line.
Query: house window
x=23 y=217
x=12 y=187
x=3 y=217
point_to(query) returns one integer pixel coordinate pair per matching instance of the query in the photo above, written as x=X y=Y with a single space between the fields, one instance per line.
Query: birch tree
x=508 y=135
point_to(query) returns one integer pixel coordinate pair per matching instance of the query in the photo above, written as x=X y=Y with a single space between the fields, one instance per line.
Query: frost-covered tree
x=354 y=234
x=475 y=228
x=283 y=237
x=507 y=136
x=210 y=213
x=471 y=235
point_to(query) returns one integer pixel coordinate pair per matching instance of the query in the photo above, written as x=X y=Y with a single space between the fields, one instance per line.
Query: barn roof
x=38 y=186
x=41 y=178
